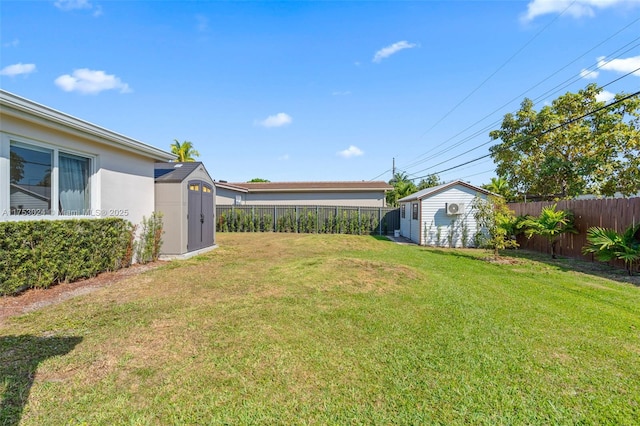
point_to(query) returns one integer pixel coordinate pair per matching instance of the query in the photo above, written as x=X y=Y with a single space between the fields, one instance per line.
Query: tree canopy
x=500 y=186
x=429 y=182
x=402 y=186
x=258 y=180
x=184 y=151
x=575 y=145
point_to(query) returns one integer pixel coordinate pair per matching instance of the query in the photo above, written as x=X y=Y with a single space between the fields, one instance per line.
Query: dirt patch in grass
x=364 y=276
x=37 y=298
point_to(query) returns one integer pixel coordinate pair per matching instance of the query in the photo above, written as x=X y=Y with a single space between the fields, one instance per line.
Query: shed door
x=200 y=219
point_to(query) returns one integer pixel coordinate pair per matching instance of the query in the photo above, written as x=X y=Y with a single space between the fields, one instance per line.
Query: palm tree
x=402 y=186
x=550 y=225
x=184 y=151
x=607 y=244
x=499 y=186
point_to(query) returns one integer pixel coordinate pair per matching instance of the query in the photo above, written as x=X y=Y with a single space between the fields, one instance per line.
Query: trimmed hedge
x=306 y=221
x=38 y=254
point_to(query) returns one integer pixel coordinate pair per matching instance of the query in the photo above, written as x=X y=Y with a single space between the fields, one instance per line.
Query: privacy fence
x=308 y=219
x=617 y=214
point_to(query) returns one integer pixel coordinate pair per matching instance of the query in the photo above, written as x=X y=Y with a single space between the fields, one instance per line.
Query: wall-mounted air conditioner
x=454 y=208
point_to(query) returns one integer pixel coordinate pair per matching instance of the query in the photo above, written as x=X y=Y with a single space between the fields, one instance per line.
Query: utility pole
x=393 y=169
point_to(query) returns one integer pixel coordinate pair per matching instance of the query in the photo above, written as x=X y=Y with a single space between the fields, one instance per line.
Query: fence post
x=275 y=218
x=379 y=220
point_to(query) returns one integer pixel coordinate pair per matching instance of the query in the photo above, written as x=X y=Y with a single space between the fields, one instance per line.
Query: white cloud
x=17 y=69
x=72 y=4
x=202 y=23
x=284 y=157
x=88 y=81
x=385 y=52
x=574 y=8
x=341 y=93
x=67 y=5
x=278 y=120
x=589 y=74
x=605 y=96
x=13 y=43
x=352 y=151
x=622 y=66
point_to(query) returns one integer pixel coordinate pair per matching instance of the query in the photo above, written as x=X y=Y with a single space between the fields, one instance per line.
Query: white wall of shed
x=434 y=216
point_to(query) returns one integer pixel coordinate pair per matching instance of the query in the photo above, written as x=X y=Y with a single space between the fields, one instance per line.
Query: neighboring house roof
x=428 y=192
x=176 y=171
x=31 y=190
x=345 y=186
x=16 y=106
x=230 y=186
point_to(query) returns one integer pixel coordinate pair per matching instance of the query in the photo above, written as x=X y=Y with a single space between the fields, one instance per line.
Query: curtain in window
x=74 y=184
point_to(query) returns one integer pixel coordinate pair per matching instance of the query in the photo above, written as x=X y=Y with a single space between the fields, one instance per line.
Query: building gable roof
x=344 y=186
x=176 y=171
x=230 y=186
x=428 y=192
x=25 y=109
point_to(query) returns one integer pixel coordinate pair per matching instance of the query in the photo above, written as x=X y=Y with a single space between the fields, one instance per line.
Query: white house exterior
x=345 y=193
x=55 y=166
x=441 y=215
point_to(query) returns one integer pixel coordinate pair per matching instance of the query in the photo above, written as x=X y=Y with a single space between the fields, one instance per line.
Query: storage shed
x=185 y=195
x=442 y=215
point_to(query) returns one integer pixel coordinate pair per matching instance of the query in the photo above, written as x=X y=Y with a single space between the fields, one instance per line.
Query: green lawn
x=331 y=329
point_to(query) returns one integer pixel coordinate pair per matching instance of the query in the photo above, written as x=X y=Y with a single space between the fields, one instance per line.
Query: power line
x=555 y=89
x=491 y=140
x=613 y=55
x=573 y=120
x=498 y=69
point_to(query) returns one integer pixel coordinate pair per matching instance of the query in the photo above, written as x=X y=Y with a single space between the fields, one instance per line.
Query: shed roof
x=338 y=186
x=428 y=192
x=176 y=171
x=25 y=109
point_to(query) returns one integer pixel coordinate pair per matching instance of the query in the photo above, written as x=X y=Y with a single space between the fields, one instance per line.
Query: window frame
x=6 y=141
x=403 y=211
x=415 y=211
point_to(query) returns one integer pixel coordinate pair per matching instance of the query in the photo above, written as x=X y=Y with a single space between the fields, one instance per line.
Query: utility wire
x=536 y=100
x=491 y=140
x=556 y=88
x=498 y=69
x=573 y=120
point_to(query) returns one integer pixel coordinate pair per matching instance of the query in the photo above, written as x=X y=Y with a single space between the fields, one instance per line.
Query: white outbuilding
x=442 y=215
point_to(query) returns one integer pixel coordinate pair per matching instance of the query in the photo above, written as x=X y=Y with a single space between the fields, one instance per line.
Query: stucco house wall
x=121 y=169
x=230 y=195
x=352 y=194
x=434 y=226
x=312 y=199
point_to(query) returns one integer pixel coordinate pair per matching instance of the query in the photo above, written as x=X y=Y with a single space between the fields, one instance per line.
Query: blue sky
x=315 y=91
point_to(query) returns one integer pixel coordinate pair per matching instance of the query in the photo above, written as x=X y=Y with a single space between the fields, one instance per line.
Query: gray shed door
x=200 y=222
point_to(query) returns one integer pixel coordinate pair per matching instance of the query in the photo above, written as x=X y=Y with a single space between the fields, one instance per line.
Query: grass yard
x=330 y=329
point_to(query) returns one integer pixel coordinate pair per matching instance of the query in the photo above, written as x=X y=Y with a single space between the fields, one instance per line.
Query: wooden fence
x=615 y=213
x=308 y=219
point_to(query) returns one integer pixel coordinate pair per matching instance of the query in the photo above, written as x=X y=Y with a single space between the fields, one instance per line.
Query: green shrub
x=37 y=254
x=607 y=244
x=148 y=246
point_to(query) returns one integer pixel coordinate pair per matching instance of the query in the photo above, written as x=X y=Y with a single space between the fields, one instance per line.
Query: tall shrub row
x=37 y=254
x=306 y=221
